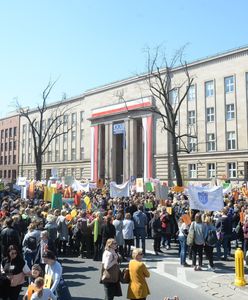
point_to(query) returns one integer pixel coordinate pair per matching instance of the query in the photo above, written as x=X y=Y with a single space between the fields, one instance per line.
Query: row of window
x=56 y=158
x=209 y=88
x=8 y=146
x=210 y=114
x=50 y=122
x=7 y=160
x=8 y=132
x=211 y=142
x=8 y=174
x=77 y=173
x=211 y=170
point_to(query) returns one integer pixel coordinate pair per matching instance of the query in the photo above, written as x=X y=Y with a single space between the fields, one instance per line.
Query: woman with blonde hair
x=109 y=260
x=138 y=288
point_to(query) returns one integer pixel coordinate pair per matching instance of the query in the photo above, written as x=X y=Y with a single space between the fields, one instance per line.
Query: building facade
x=9 y=148
x=114 y=139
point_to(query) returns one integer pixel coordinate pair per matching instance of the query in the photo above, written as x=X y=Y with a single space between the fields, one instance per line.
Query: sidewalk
x=221 y=286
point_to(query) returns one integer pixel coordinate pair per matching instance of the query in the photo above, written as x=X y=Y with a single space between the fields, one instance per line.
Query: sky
x=84 y=44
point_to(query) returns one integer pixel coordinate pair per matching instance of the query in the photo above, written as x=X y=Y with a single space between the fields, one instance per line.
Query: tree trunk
x=175 y=162
x=38 y=169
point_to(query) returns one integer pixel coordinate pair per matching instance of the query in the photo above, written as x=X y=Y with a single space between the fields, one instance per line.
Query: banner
x=139 y=185
x=161 y=192
x=119 y=190
x=21 y=181
x=205 y=198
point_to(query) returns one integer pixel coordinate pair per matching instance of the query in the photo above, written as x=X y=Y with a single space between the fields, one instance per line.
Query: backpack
x=31 y=243
x=211 y=239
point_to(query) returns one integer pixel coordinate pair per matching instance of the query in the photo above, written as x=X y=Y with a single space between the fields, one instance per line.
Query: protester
x=199 y=240
x=183 y=230
x=128 y=229
x=52 y=268
x=108 y=230
x=63 y=232
x=155 y=225
x=118 y=224
x=42 y=293
x=109 y=260
x=13 y=267
x=138 y=288
x=210 y=241
x=9 y=236
x=140 y=223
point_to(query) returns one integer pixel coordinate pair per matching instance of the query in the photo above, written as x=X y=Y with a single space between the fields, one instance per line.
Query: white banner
x=205 y=198
x=119 y=190
x=21 y=181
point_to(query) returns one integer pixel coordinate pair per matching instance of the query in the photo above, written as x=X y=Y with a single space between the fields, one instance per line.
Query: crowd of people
x=33 y=235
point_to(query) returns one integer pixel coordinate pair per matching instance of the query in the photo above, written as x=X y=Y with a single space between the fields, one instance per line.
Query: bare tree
x=169 y=96
x=43 y=134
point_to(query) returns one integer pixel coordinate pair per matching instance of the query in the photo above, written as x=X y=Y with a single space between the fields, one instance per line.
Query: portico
x=121 y=141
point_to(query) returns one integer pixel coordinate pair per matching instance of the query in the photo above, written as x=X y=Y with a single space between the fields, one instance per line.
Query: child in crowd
x=42 y=293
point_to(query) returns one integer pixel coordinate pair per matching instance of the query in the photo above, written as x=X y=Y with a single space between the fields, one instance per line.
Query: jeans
x=141 y=233
x=183 y=249
x=209 y=254
x=197 y=249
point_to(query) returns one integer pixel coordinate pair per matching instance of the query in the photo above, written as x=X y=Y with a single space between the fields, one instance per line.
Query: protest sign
x=119 y=190
x=139 y=185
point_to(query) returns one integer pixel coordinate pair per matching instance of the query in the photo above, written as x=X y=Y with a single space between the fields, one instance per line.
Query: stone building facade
x=115 y=139
x=9 y=148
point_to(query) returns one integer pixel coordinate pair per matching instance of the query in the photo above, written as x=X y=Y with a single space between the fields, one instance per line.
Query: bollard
x=239 y=268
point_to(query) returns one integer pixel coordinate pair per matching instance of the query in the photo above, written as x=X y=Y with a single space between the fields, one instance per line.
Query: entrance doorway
x=119 y=157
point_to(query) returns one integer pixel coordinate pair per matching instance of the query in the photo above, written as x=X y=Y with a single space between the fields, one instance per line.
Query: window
x=10 y=132
x=174 y=96
x=82 y=172
x=9 y=162
x=82 y=135
x=191 y=93
x=231 y=140
x=10 y=146
x=65 y=156
x=2 y=134
x=211 y=145
x=210 y=114
x=229 y=84
x=1 y=146
x=15 y=131
x=1 y=160
x=73 y=118
x=29 y=158
x=6 y=146
x=24 y=128
x=192 y=171
x=56 y=155
x=49 y=156
x=14 y=174
x=1 y=173
x=14 y=145
x=6 y=133
x=192 y=144
x=73 y=172
x=5 y=174
x=82 y=153
x=81 y=116
x=14 y=159
x=232 y=171
x=65 y=138
x=73 y=154
x=230 y=112
x=56 y=140
x=5 y=160
x=9 y=173
x=73 y=136
x=209 y=88
x=191 y=117
x=65 y=119
x=29 y=142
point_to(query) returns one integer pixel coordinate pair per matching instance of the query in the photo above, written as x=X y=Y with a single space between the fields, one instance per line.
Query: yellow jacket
x=137 y=287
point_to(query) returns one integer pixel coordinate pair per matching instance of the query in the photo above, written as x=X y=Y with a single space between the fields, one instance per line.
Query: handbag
x=125 y=276
x=63 y=290
x=112 y=275
x=191 y=235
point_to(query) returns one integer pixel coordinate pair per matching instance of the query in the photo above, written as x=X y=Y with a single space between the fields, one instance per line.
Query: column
x=132 y=147
x=94 y=153
x=147 y=139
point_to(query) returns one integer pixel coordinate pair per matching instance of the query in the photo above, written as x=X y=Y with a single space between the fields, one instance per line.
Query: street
x=167 y=278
